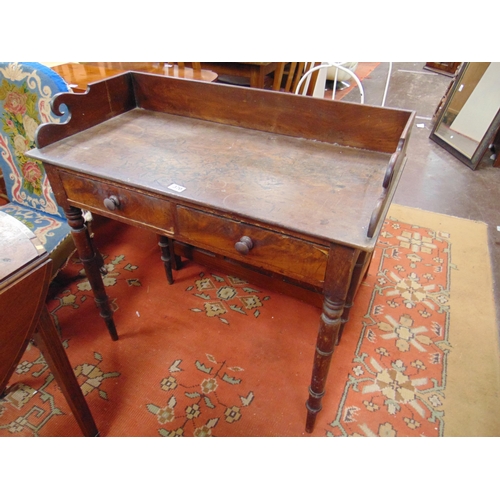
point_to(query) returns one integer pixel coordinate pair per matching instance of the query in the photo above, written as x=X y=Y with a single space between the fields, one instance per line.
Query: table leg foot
x=176 y=259
x=327 y=336
x=107 y=315
x=313 y=406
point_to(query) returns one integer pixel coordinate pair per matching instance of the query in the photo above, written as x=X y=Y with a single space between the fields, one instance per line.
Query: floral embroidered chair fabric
x=26 y=90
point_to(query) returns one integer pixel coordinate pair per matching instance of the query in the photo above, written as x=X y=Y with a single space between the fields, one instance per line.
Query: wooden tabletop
x=79 y=75
x=308 y=186
x=313 y=166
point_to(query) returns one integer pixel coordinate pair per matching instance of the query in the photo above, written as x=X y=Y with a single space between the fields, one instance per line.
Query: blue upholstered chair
x=26 y=90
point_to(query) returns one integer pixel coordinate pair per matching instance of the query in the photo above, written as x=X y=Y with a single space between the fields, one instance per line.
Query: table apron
x=275 y=251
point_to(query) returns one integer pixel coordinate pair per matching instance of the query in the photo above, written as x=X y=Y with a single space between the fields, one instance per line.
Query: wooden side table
x=255 y=72
x=25 y=272
x=292 y=187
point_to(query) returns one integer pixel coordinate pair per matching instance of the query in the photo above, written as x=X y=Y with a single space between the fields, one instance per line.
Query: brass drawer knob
x=244 y=245
x=112 y=202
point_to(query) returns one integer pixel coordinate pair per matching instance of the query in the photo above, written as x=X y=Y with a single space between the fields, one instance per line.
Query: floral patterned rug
x=214 y=355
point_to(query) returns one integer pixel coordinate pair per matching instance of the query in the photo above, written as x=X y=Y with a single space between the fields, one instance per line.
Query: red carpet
x=214 y=355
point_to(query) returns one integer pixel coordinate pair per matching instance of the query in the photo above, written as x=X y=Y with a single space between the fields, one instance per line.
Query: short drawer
x=130 y=206
x=287 y=255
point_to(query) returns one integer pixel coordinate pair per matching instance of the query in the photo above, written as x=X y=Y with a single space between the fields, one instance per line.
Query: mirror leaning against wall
x=469 y=118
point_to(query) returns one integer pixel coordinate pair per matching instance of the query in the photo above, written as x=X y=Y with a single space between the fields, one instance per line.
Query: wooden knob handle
x=112 y=202
x=244 y=245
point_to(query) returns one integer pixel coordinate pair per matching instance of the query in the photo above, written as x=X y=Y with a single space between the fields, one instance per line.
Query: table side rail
x=392 y=176
x=102 y=101
x=281 y=252
x=347 y=124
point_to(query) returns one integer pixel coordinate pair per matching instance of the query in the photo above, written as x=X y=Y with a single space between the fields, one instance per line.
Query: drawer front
x=273 y=251
x=141 y=209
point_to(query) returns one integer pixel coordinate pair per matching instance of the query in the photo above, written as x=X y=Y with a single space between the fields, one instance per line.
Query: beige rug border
x=472 y=403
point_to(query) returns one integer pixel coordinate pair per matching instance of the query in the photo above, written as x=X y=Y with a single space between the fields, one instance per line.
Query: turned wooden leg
x=257 y=77
x=166 y=257
x=47 y=340
x=176 y=259
x=91 y=263
x=341 y=262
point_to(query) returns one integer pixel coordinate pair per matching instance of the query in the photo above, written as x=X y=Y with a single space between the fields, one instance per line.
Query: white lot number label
x=176 y=187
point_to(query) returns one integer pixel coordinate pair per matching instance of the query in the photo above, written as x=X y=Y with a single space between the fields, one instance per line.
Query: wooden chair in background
x=307 y=83
x=302 y=78
x=293 y=72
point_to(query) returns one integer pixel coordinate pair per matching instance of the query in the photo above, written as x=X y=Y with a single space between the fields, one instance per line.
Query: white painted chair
x=303 y=85
x=305 y=81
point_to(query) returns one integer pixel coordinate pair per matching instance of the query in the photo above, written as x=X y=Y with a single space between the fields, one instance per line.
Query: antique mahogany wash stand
x=291 y=188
